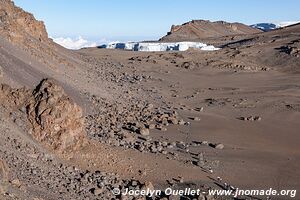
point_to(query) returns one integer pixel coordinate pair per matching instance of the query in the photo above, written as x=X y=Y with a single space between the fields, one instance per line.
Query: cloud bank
x=76 y=43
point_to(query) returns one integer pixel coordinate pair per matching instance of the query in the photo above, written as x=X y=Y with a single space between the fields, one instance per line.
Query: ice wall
x=151 y=46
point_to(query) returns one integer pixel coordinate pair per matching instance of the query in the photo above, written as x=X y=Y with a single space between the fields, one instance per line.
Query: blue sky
x=149 y=19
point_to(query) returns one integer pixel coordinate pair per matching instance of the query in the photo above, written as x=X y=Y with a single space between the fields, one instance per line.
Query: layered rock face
x=55 y=120
x=21 y=29
x=18 y=25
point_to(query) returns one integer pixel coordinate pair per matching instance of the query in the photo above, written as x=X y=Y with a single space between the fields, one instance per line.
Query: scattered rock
x=251 y=118
x=13 y=98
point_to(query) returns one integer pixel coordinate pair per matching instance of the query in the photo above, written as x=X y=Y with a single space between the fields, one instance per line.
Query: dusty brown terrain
x=197 y=30
x=108 y=119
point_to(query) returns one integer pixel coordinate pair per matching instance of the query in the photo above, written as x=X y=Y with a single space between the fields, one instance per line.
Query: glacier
x=274 y=25
x=159 y=46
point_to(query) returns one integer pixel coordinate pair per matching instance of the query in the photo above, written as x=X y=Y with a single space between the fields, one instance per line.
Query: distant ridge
x=200 y=29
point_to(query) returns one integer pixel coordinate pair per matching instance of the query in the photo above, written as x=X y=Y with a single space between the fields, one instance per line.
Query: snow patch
x=161 y=46
x=283 y=24
x=77 y=43
x=272 y=26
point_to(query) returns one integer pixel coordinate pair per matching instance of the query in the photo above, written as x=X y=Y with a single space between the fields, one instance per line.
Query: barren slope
x=201 y=29
x=178 y=119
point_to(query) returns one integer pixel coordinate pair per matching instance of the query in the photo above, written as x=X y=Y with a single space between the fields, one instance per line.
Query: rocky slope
x=18 y=26
x=42 y=132
x=278 y=49
x=21 y=29
x=201 y=29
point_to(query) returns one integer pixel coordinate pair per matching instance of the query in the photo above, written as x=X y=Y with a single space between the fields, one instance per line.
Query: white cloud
x=77 y=43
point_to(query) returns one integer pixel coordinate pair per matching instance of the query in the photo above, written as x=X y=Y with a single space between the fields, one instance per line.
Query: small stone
x=180 y=145
x=257 y=118
x=201 y=197
x=210 y=197
x=153 y=149
x=150 y=106
x=244 y=118
x=219 y=146
x=181 y=122
x=152 y=126
x=164 y=129
x=200 y=109
x=165 y=122
x=173 y=121
x=98 y=191
x=134 y=183
x=34 y=156
x=144 y=131
x=148 y=185
x=16 y=182
x=111 y=134
x=196 y=118
x=181 y=180
x=159 y=148
x=158 y=126
x=251 y=118
x=164 y=144
x=141 y=148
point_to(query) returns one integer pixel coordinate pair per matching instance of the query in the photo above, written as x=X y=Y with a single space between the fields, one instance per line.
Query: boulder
x=56 y=120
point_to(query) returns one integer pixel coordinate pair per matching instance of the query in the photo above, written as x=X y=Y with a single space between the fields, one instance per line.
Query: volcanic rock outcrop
x=54 y=119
